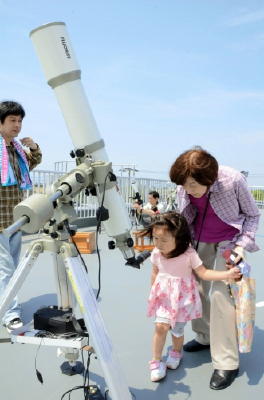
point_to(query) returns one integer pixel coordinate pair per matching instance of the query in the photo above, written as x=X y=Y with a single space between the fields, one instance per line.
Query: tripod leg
x=94 y=322
x=64 y=291
x=71 y=366
x=19 y=276
x=66 y=301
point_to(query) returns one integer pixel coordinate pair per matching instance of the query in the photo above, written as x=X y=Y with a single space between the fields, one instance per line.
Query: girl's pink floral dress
x=174 y=294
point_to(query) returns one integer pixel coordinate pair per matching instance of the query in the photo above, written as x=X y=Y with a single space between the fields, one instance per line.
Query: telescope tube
x=61 y=69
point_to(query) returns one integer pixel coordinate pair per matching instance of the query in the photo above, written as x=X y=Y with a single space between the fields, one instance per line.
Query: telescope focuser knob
x=102 y=214
x=90 y=191
x=80 y=153
x=112 y=177
x=111 y=245
x=93 y=191
x=79 y=178
x=130 y=242
x=54 y=235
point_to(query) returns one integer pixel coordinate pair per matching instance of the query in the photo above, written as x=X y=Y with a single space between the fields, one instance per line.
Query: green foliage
x=258 y=194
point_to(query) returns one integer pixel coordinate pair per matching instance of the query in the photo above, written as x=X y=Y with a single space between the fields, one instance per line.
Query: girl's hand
x=234 y=273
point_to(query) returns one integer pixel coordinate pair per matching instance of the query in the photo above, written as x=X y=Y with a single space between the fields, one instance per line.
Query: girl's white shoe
x=157 y=370
x=173 y=359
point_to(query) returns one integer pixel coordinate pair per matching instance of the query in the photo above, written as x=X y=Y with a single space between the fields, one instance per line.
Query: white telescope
x=63 y=74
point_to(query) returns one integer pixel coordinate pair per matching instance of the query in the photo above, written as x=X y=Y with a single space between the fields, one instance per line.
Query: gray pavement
x=122 y=302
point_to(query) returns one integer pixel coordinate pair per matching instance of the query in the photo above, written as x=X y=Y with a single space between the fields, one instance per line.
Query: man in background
x=15 y=164
x=152 y=208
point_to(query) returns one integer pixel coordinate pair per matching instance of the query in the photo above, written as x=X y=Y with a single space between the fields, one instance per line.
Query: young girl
x=174 y=298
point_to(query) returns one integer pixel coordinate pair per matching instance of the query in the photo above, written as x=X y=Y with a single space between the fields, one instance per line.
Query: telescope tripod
x=73 y=287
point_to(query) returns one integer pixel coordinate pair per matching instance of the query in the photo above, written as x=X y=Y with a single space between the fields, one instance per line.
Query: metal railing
x=258 y=194
x=86 y=205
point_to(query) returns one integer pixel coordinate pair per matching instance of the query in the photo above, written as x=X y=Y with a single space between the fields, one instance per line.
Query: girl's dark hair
x=177 y=225
x=10 y=108
x=196 y=163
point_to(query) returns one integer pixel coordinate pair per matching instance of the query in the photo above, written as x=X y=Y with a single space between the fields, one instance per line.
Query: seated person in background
x=152 y=208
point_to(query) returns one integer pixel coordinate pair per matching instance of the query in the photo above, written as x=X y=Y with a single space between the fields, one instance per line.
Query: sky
x=161 y=76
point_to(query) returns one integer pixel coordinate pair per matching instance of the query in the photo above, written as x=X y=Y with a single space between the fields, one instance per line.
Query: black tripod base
x=68 y=369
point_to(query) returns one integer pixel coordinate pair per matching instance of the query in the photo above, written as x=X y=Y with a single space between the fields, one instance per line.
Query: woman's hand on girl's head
x=234 y=273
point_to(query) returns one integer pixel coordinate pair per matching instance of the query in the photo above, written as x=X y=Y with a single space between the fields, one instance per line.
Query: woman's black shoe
x=222 y=378
x=193 y=345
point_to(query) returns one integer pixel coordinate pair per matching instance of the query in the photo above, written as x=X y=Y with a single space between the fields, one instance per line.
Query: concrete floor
x=123 y=299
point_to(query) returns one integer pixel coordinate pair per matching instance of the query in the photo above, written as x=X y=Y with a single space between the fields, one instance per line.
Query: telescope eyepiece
x=136 y=261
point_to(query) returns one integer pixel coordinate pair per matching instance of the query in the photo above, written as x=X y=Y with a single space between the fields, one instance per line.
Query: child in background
x=174 y=298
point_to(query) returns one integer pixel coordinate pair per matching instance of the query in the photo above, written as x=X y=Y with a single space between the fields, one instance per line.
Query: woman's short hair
x=195 y=163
